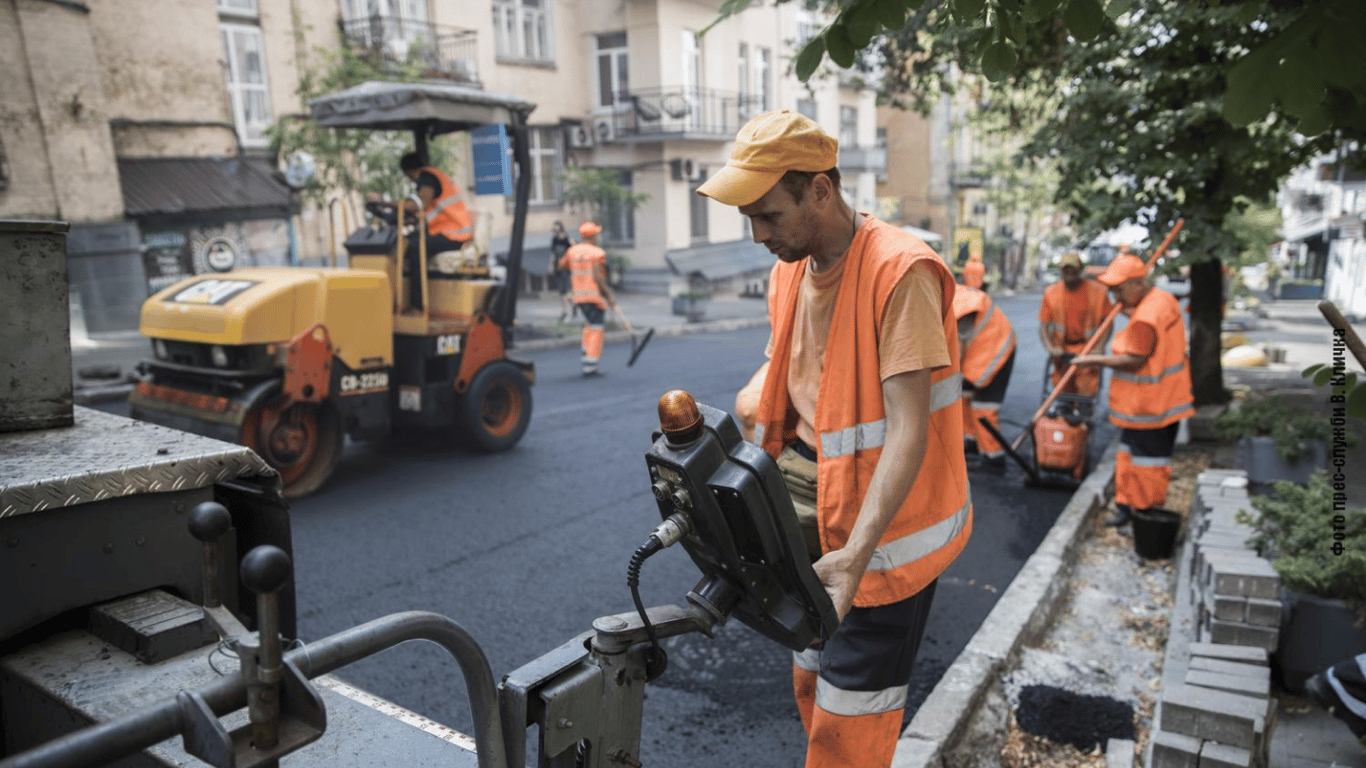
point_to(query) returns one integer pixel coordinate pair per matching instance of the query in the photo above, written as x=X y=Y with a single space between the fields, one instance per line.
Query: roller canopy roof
x=437 y=108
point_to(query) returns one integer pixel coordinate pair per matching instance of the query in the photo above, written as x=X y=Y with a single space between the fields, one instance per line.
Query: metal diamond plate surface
x=105 y=456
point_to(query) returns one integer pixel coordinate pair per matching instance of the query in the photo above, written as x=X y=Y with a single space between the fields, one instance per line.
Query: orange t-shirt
x=911 y=336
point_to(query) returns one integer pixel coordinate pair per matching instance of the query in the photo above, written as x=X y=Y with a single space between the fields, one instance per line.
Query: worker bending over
x=987 y=340
x=587 y=264
x=1150 y=391
x=858 y=403
x=1070 y=313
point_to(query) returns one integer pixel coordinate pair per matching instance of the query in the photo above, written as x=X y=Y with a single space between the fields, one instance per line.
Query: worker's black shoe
x=1120 y=517
x=996 y=465
x=1322 y=693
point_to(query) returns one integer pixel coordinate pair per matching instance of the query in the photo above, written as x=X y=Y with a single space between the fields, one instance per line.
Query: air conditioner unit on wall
x=604 y=129
x=580 y=136
x=686 y=170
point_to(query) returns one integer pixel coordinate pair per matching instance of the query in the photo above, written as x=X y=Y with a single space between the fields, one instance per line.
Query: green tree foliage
x=350 y=161
x=1303 y=61
x=595 y=193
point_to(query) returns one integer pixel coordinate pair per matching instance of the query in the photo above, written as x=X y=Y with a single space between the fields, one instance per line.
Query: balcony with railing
x=677 y=112
x=440 y=51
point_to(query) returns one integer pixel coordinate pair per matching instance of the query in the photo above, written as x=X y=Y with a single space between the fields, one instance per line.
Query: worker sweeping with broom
x=587 y=264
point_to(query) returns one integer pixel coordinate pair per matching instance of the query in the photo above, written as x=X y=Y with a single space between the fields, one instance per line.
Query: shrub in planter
x=1300 y=439
x=1320 y=554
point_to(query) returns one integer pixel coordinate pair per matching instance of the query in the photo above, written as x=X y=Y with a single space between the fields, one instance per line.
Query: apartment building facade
x=143 y=123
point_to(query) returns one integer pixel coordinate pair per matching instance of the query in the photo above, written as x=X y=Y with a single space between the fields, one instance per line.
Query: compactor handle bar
x=99 y=744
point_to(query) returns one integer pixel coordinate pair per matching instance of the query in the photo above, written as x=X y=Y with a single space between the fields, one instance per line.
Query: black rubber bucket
x=1155 y=533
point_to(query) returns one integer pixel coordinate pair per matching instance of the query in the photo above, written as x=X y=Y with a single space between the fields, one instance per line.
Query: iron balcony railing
x=440 y=50
x=677 y=112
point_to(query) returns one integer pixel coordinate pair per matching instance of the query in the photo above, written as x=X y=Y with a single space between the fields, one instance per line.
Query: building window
x=807 y=107
x=762 y=91
x=238 y=8
x=522 y=30
x=619 y=221
x=245 y=72
x=807 y=26
x=547 y=164
x=742 y=78
x=849 y=127
x=697 y=211
x=614 y=81
x=692 y=77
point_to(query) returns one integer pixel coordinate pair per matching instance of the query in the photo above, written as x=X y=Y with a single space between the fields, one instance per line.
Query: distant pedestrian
x=559 y=244
x=587 y=264
x=1150 y=392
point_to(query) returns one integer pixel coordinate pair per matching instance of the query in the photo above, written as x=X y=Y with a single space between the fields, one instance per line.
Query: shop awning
x=203 y=189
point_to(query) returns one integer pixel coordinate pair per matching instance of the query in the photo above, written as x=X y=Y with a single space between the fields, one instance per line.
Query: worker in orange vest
x=974 y=272
x=987 y=339
x=1070 y=313
x=448 y=221
x=1150 y=390
x=858 y=403
x=587 y=265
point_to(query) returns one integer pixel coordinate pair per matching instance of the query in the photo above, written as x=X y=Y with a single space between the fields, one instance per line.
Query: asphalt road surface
x=526 y=548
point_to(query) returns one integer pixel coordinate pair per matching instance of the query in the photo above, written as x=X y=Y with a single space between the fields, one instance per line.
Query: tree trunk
x=1206 y=317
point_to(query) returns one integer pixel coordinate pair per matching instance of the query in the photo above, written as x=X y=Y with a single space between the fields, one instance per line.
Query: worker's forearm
x=1046 y=339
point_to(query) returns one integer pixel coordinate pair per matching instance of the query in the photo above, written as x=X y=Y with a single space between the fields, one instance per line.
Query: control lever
x=283 y=709
x=209 y=522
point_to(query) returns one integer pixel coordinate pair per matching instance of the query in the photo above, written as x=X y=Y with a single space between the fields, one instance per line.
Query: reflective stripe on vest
x=1137 y=379
x=1154 y=419
x=943 y=394
x=583 y=259
x=837 y=701
x=808 y=660
x=934 y=522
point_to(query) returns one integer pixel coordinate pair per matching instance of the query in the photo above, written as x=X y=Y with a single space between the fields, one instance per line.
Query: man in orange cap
x=1150 y=391
x=587 y=264
x=859 y=404
x=1069 y=314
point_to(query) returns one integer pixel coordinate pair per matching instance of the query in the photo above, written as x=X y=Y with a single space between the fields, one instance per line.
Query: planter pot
x=1315 y=634
x=1300 y=291
x=693 y=309
x=1263 y=463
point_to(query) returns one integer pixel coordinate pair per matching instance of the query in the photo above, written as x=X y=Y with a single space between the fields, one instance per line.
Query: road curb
x=1020 y=616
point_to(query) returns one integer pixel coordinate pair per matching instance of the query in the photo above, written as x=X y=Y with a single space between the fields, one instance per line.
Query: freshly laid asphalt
x=104 y=363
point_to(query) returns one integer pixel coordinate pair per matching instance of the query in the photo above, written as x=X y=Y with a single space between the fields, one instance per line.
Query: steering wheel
x=383 y=211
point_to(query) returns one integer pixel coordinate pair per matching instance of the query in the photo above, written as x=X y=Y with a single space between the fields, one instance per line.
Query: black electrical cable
x=651 y=546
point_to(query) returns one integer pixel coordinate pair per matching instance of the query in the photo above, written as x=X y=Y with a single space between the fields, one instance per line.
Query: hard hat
x=588 y=229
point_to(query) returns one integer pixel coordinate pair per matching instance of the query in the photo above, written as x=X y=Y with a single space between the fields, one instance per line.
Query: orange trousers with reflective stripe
x=973 y=429
x=839 y=741
x=1143 y=466
x=1140 y=487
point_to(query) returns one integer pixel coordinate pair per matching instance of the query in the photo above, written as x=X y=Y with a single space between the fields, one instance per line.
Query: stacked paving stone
x=1221 y=713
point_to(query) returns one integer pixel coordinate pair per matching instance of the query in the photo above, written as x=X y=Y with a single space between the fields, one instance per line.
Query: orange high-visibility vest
x=582 y=260
x=1158 y=393
x=1055 y=307
x=448 y=215
x=974 y=273
x=991 y=339
x=933 y=524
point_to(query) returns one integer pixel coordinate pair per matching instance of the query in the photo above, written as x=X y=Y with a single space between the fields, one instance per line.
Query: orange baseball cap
x=768 y=146
x=1126 y=266
x=588 y=229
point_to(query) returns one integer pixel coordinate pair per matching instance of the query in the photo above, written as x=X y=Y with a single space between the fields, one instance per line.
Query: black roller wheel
x=302 y=441
x=494 y=413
